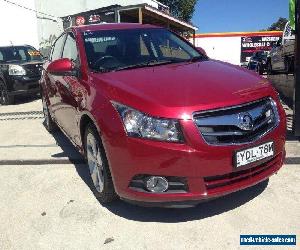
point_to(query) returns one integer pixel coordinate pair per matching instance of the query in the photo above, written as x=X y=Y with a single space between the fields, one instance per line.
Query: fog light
x=157 y=184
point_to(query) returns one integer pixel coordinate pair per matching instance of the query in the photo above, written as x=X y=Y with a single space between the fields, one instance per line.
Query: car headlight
x=138 y=124
x=16 y=70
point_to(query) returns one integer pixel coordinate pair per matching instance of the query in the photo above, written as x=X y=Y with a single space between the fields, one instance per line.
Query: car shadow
x=153 y=214
x=172 y=215
x=22 y=99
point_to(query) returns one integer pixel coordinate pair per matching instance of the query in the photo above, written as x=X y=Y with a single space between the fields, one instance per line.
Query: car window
x=115 y=49
x=169 y=48
x=100 y=45
x=57 y=49
x=70 y=49
x=22 y=54
x=19 y=54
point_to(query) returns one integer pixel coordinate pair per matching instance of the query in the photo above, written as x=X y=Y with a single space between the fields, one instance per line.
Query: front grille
x=214 y=183
x=33 y=69
x=238 y=124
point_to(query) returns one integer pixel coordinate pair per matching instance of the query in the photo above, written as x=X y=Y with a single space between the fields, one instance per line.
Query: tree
x=279 y=25
x=182 y=9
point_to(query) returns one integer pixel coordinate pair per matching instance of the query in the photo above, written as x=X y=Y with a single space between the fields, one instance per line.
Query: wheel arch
x=86 y=119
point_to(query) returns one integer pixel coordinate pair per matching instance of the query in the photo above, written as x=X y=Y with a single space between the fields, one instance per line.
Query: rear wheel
x=101 y=180
x=5 y=98
x=49 y=124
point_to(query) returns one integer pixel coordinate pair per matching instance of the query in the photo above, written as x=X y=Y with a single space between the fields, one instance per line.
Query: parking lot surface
x=46 y=202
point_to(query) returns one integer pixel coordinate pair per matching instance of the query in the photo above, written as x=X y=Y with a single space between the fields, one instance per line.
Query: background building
x=236 y=47
x=39 y=22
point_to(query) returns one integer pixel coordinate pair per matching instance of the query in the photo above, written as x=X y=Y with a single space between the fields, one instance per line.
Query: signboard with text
x=251 y=44
x=90 y=17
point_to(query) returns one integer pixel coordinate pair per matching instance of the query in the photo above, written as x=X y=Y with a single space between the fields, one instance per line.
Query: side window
x=56 y=52
x=22 y=55
x=1 y=56
x=144 y=49
x=171 y=49
x=70 y=49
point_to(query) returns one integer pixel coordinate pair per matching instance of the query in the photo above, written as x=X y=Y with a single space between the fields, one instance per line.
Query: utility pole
x=297 y=72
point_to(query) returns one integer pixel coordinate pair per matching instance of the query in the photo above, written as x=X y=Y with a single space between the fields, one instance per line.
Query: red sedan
x=157 y=120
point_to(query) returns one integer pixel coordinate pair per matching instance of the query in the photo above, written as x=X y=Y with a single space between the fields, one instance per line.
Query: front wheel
x=49 y=124
x=102 y=184
x=5 y=98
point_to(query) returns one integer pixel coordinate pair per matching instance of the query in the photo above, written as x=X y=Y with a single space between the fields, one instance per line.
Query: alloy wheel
x=45 y=111
x=95 y=162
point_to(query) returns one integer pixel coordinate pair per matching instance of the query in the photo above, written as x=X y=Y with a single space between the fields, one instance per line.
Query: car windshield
x=262 y=54
x=19 y=54
x=109 y=50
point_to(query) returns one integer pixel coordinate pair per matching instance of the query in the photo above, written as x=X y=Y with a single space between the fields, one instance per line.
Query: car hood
x=177 y=90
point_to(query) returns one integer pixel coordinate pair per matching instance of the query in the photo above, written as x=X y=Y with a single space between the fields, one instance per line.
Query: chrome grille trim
x=223 y=127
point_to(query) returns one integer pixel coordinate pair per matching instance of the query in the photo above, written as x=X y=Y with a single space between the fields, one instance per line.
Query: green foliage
x=279 y=24
x=182 y=9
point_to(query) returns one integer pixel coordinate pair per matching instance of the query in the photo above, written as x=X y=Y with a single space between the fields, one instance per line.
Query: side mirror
x=45 y=58
x=62 y=67
x=201 y=51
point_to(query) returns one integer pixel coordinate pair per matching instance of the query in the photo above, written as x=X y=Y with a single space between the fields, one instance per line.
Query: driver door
x=71 y=92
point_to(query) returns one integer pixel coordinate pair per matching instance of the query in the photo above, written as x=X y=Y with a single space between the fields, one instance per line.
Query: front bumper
x=23 y=85
x=208 y=170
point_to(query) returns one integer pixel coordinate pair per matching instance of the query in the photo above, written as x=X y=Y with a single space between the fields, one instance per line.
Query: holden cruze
x=157 y=120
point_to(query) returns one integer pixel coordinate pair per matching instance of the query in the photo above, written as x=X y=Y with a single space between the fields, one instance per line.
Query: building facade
x=236 y=47
x=39 y=22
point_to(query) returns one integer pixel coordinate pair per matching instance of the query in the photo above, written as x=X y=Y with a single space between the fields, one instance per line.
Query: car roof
x=112 y=26
x=14 y=45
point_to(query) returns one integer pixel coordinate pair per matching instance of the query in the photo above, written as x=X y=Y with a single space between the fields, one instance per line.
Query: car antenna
x=11 y=43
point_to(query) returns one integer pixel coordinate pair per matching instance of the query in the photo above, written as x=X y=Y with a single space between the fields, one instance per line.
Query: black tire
x=292 y=65
x=49 y=124
x=107 y=193
x=289 y=65
x=269 y=68
x=5 y=97
x=259 y=69
x=286 y=65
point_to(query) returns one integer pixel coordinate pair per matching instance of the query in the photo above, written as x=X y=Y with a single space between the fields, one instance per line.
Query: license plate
x=254 y=154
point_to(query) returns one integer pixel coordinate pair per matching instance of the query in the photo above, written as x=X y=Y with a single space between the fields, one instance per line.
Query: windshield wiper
x=146 y=64
x=197 y=58
x=103 y=70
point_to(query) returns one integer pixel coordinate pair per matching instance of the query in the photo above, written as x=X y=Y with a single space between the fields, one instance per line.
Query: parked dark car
x=258 y=62
x=157 y=120
x=20 y=72
x=282 y=55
